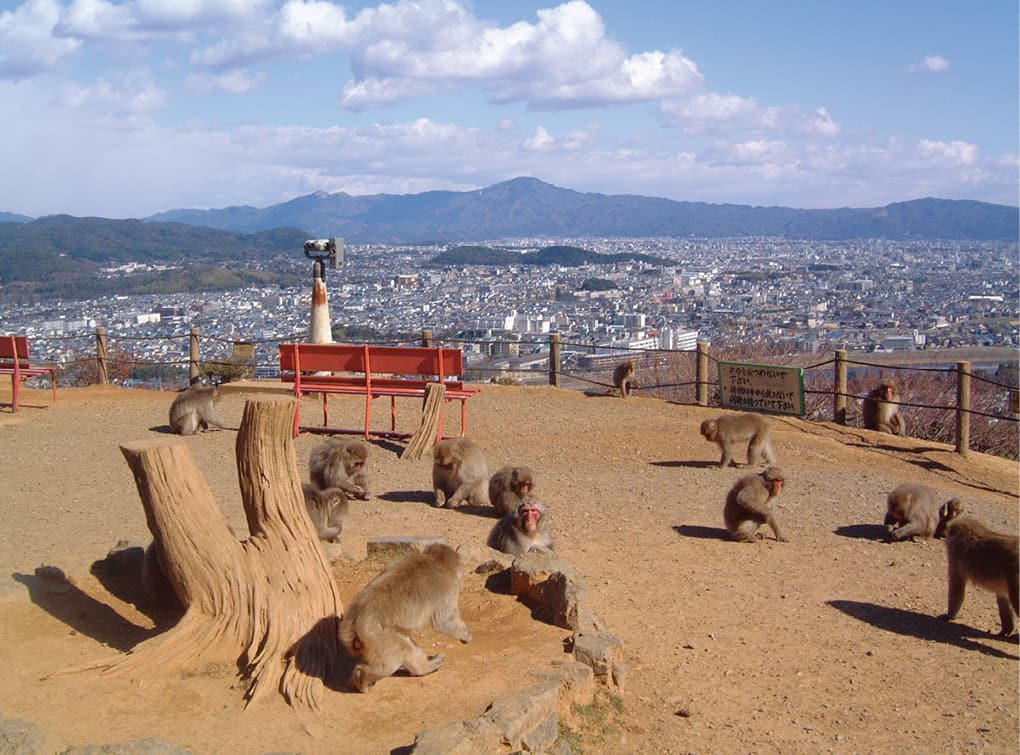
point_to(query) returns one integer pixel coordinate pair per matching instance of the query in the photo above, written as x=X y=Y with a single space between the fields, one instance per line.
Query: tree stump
x=271 y=598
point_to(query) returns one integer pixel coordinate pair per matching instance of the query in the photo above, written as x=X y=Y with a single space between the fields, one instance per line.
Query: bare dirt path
x=828 y=642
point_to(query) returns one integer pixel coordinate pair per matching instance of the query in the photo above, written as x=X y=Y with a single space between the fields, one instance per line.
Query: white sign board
x=761 y=388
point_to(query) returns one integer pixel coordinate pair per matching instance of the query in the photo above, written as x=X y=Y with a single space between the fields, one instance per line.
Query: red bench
x=14 y=362
x=372 y=371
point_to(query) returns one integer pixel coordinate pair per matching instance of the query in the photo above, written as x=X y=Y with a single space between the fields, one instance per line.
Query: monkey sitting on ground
x=460 y=473
x=340 y=463
x=157 y=585
x=749 y=505
x=327 y=509
x=881 y=409
x=193 y=409
x=529 y=528
x=731 y=430
x=623 y=378
x=404 y=597
x=987 y=558
x=912 y=511
x=508 y=487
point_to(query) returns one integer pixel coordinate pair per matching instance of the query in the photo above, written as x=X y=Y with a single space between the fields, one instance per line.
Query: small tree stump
x=271 y=598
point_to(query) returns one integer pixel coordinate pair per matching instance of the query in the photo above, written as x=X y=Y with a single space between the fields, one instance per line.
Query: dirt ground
x=829 y=642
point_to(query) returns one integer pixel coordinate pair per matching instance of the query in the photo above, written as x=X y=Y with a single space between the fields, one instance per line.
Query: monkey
x=460 y=473
x=881 y=409
x=509 y=486
x=193 y=409
x=340 y=463
x=623 y=378
x=912 y=512
x=404 y=597
x=528 y=528
x=749 y=505
x=327 y=509
x=988 y=559
x=729 y=430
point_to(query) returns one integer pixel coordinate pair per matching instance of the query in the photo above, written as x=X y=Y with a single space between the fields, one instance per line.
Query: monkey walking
x=404 y=597
x=880 y=409
x=193 y=409
x=731 y=431
x=987 y=558
x=749 y=505
x=623 y=378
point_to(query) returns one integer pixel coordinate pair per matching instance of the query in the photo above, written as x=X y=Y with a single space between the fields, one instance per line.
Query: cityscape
x=788 y=296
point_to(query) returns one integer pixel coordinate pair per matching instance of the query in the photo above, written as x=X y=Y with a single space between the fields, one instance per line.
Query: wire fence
x=986 y=416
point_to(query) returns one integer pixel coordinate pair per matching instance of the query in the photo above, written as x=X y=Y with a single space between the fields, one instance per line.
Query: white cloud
x=27 y=44
x=231 y=82
x=930 y=64
x=958 y=152
x=711 y=113
x=134 y=94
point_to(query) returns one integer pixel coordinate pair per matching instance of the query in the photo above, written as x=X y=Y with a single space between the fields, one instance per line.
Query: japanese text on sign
x=761 y=387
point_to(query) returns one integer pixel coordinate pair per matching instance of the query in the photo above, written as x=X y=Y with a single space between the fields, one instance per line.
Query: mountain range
x=526 y=207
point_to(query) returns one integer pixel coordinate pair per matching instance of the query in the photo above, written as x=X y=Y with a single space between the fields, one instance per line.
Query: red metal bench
x=373 y=371
x=14 y=362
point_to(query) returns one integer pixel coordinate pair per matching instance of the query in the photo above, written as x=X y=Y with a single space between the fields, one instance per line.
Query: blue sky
x=125 y=109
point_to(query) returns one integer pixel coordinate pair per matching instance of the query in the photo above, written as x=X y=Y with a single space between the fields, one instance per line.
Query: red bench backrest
x=397 y=360
x=11 y=346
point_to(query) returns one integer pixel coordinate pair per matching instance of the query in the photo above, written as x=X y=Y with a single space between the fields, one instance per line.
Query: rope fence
x=669 y=374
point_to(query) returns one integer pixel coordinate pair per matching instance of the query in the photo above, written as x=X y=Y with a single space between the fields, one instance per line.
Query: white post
x=320 y=330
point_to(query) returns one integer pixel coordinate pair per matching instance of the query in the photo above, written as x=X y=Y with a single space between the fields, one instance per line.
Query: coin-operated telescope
x=322 y=251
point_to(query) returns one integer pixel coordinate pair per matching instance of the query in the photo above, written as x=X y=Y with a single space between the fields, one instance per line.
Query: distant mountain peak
x=527 y=206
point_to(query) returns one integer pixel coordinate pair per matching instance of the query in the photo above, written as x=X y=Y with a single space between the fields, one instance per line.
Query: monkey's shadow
x=407 y=496
x=922 y=625
x=705 y=533
x=121 y=574
x=83 y=613
x=863 y=531
x=168 y=430
x=691 y=464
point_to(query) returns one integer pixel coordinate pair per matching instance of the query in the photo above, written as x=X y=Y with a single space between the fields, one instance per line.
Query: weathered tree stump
x=271 y=598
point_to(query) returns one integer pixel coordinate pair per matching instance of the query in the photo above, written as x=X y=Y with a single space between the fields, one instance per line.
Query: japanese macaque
x=881 y=409
x=340 y=463
x=404 y=597
x=986 y=558
x=732 y=430
x=623 y=378
x=193 y=409
x=912 y=511
x=327 y=509
x=508 y=487
x=460 y=473
x=526 y=529
x=749 y=505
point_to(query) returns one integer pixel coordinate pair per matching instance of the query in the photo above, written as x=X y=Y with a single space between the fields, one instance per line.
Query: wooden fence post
x=194 y=355
x=427 y=338
x=701 y=374
x=554 y=359
x=962 y=407
x=839 y=396
x=102 y=360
